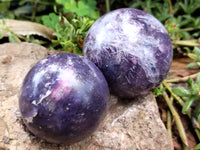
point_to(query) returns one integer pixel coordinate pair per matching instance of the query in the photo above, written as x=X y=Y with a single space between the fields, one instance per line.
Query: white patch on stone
x=42 y=97
x=37 y=79
x=43 y=61
x=134 y=42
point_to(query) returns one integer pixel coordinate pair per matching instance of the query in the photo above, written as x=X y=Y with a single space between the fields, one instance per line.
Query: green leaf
x=194 y=64
x=197 y=147
x=198 y=118
x=77 y=51
x=190 y=82
x=50 y=20
x=187 y=105
x=158 y=91
x=95 y=14
x=13 y=38
x=4 y=22
x=195 y=89
x=187 y=49
x=1 y=35
x=198 y=80
x=4 y=7
x=71 y=33
x=192 y=56
x=81 y=8
x=181 y=91
x=197 y=51
x=196 y=110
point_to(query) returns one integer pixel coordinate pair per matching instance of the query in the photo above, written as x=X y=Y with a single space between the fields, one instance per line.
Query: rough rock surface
x=129 y=125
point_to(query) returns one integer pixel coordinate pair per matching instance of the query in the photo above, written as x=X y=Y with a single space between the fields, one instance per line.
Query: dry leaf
x=178 y=68
x=28 y=28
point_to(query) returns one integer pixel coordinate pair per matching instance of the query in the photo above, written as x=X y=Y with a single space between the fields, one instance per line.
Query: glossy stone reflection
x=63 y=98
x=132 y=49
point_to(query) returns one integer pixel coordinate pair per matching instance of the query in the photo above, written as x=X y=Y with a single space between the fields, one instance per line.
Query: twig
x=190 y=43
x=180 y=101
x=171 y=11
x=176 y=97
x=34 y=10
x=197 y=133
x=107 y=6
x=187 y=29
x=177 y=121
x=169 y=123
x=196 y=127
x=184 y=79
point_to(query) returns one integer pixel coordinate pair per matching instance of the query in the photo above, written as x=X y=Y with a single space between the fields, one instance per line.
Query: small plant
x=12 y=37
x=173 y=29
x=188 y=99
x=195 y=57
x=50 y=20
x=190 y=6
x=179 y=17
x=80 y=7
x=4 y=11
x=189 y=95
x=70 y=32
x=197 y=147
x=158 y=91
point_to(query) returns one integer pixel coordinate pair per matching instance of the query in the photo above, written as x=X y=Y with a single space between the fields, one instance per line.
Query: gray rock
x=129 y=125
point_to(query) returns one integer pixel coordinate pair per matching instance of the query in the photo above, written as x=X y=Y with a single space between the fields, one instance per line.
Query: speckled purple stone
x=63 y=98
x=132 y=49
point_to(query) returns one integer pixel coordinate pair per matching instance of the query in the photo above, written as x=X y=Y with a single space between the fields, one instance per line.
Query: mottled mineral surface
x=132 y=49
x=129 y=125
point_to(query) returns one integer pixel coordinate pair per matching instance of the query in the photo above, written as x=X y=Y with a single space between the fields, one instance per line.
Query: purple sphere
x=63 y=98
x=132 y=49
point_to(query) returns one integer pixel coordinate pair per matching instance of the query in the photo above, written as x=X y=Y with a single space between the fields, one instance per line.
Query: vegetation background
x=177 y=96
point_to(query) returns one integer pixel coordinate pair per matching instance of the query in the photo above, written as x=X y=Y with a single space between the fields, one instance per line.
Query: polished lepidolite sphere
x=132 y=49
x=63 y=98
